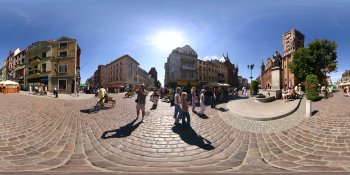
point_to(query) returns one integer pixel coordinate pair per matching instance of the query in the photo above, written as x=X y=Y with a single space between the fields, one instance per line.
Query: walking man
x=141 y=100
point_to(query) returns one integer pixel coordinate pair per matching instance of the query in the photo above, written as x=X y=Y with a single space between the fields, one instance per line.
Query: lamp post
x=251 y=71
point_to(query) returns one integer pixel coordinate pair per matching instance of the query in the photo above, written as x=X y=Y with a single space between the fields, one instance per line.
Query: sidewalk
x=81 y=96
x=251 y=109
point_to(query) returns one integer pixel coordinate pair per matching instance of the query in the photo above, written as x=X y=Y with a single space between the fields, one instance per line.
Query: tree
x=312 y=87
x=254 y=87
x=157 y=84
x=319 y=54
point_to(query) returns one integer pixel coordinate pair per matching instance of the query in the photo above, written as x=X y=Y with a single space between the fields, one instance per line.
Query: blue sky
x=248 y=31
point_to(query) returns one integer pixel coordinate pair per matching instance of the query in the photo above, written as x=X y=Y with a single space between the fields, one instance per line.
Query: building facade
x=121 y=74
x=231 y=72
x=54 y=63
x=11 y=65
x=146 y=78
x=4 y=70
x=181 y=66
x=292 y=40
x=153 y=72
x=19 y=68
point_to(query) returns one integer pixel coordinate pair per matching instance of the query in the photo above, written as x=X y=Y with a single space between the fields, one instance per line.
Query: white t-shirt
x=202 y=98
x=177 y=97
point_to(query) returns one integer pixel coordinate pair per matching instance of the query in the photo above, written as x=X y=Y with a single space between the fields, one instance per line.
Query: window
x=43 y=55
x=63 y=45
x=63 y=54
x=43 y=67
x=62 y=68
x=62 y=84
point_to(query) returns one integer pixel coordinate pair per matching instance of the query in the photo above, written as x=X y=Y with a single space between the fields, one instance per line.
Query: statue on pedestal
x=277 y=59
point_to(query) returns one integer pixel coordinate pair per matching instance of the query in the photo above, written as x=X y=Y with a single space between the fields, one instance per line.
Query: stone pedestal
x=275 y=84
x=271 y=92
x=276 y=78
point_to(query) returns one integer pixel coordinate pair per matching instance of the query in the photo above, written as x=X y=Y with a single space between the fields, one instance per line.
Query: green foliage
x=254 y=87
x=319 y=54
x=312 y=87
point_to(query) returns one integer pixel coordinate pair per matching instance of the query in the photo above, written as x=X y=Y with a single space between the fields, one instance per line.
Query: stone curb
x=273 y=117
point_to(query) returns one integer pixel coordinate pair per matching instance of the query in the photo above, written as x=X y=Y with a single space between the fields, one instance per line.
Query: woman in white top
x=177 y=102
x=202 y=102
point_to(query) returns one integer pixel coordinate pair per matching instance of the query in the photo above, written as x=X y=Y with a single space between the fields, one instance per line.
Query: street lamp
x=251 y=71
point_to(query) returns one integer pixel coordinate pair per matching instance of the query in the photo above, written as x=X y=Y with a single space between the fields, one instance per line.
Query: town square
x=175 y=87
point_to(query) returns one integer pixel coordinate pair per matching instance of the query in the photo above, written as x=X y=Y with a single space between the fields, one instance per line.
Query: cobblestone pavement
x=55 y=135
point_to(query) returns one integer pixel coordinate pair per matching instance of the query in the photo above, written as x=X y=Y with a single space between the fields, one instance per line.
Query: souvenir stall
x=9 y=87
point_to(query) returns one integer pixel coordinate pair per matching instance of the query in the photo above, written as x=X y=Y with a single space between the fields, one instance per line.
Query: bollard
x=308 y=108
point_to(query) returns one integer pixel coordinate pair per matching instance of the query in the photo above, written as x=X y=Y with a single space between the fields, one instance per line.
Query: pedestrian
x=347 y=91
x=243 y=89
x=186 y=120
x=101 y=95
x=213 y=98
x=299 y=90
x=177 y=102
x=45 y=89
x=194 y=99
x=36 y=89
x=155 y=97
x=30 y=89
x=141 y=100
x=202 y=102
x=41 y=90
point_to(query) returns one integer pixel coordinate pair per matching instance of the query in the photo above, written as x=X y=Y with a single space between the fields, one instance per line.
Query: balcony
x=188 y=60
x=186 y=67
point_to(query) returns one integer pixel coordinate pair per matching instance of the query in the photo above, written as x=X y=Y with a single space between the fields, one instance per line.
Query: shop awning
x=8 y=82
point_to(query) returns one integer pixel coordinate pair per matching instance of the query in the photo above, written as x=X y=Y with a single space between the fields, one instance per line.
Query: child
x=155 y=96
x=185 y=114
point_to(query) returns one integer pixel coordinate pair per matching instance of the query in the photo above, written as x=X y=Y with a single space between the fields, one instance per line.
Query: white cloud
x=28 y=19
x=214 y=57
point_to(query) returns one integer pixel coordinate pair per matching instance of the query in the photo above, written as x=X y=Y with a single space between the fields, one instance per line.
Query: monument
x=268 y=95
x=276 y=76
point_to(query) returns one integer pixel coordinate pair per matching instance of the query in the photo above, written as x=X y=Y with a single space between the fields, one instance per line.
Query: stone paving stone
x=58 y=137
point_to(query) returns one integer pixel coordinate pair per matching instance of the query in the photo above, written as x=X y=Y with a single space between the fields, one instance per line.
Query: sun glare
x=168 y=40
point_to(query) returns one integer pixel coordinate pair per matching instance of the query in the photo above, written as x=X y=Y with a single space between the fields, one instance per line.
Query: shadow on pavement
x=192 y=138
x=314 y=112
x=154 y=107
x=88 y=111
x=203 y=116
x=222 y=109
x=123 y=131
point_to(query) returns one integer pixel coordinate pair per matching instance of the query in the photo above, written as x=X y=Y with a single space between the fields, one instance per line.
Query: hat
x=203 y=90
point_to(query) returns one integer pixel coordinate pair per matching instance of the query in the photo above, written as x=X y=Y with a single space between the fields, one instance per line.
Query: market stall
x=9 y=87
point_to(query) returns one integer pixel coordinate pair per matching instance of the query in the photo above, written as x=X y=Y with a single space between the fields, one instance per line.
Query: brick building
x=292 y=40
